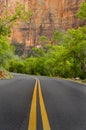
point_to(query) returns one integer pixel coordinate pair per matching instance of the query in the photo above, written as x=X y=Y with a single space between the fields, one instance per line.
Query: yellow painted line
x=32 y=119
x=45 y=121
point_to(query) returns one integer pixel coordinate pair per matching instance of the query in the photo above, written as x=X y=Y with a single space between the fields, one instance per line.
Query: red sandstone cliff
x=48 y=16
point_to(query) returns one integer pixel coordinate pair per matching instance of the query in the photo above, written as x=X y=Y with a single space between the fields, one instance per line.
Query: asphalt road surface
x=41 y=103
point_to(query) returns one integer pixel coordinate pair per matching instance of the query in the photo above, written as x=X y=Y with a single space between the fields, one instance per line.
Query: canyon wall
x=48 y=16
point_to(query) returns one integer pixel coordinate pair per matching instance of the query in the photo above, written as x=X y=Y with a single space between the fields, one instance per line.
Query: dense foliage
x=67 y=58
x=82 y=11
x=7 y=21
x=6 y=52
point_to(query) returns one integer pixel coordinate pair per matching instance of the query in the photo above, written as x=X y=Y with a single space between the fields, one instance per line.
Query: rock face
x=48 y=16
x=51 y=15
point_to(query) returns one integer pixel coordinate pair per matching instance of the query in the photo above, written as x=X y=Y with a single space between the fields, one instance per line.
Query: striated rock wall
x=48 y=16
x=51 y=15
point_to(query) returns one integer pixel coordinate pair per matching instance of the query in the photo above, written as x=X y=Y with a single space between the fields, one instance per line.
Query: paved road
x=51 y=104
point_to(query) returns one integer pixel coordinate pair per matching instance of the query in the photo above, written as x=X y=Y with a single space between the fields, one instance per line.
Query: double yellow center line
x=33 y=116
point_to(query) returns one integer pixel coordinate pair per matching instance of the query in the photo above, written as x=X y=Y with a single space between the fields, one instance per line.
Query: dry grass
x=5 y=74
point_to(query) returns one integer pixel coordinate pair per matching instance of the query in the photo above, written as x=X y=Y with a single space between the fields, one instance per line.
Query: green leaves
x=43 y=38
x=6 y=23
x=6 y=52
x=82 y=12
x=9 y=19
x=58 y=37
x=21 y=13
x=66 y=58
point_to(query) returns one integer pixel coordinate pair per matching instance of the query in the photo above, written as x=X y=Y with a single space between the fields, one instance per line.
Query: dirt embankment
x=5 y=74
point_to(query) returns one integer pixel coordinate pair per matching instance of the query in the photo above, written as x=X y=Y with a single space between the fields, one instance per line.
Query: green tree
x=10 y=19
x=16 y=65
x=37 y=52
x=29 y=64
x=82 y=12
x=43 y=38
x=6 y=52
x=57 y=38
x=75 y=42
x=6 y=23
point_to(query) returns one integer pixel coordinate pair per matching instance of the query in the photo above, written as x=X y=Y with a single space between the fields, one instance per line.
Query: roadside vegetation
x=5 y=74
x=7 y=51
x=67 y=58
